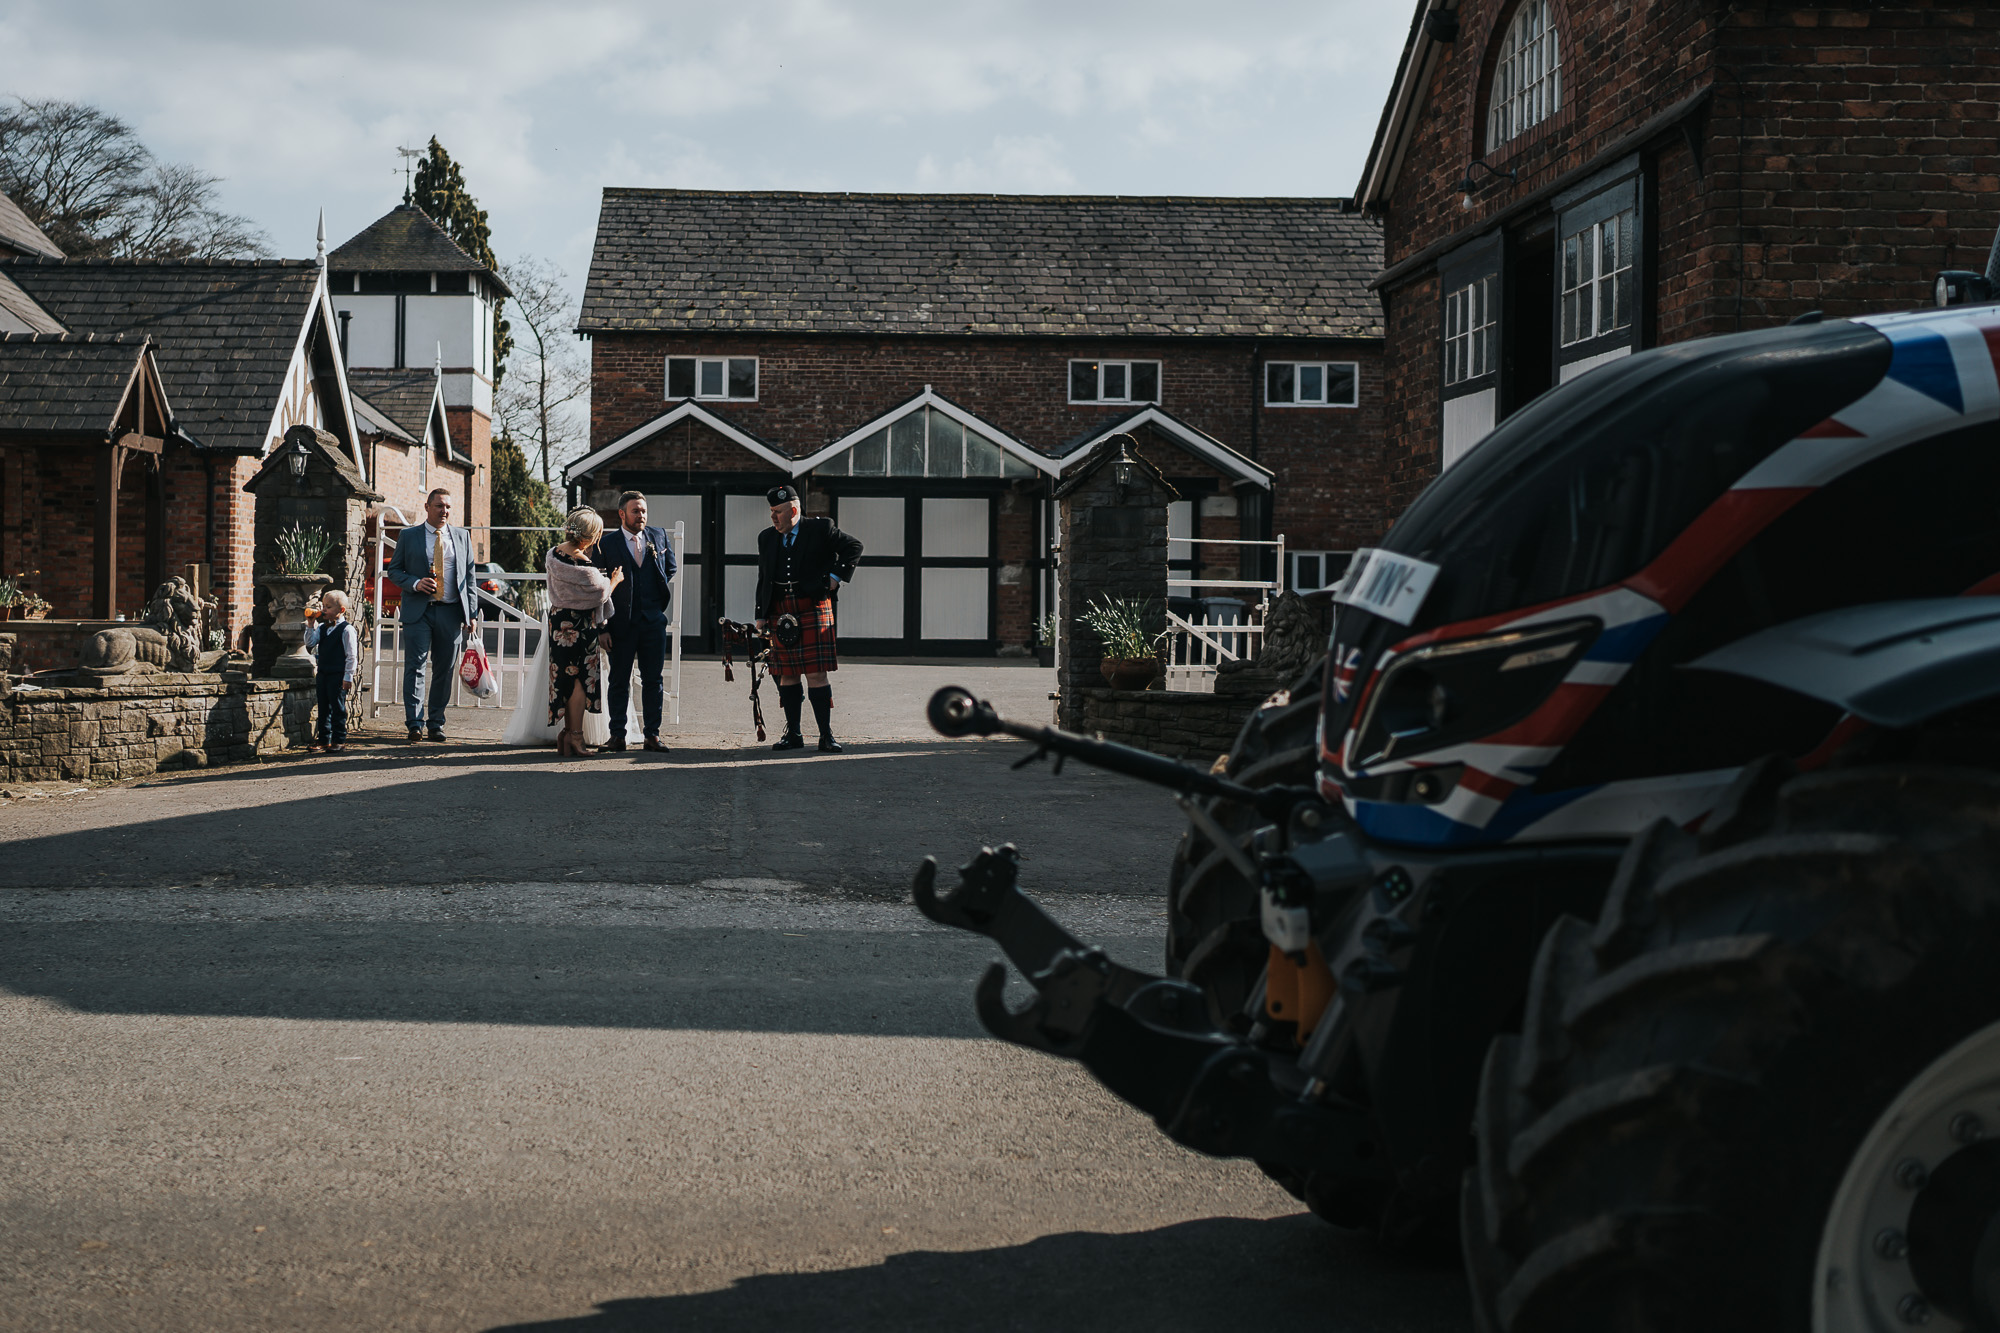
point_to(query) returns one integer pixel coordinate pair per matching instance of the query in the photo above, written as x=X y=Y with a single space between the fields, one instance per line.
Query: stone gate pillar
x=1114 y=544
x=308 y=480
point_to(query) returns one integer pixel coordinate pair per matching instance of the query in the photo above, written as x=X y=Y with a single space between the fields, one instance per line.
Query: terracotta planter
x=1129 y=673
x=6 y=614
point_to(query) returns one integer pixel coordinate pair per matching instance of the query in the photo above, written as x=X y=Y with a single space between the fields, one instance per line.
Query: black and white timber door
x=925 y=585
x=663 y=511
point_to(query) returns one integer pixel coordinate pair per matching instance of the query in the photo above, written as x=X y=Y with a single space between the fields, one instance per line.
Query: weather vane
x=410 y=155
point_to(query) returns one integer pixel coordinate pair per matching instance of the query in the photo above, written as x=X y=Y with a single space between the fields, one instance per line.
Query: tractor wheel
x=1763 y=1092
x=1214 y=937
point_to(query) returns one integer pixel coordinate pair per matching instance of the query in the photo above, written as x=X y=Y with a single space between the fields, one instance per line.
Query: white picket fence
x=510 y=637
x=1219 y=633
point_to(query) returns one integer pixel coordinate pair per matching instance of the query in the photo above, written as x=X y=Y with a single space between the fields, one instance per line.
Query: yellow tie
x=437 y=563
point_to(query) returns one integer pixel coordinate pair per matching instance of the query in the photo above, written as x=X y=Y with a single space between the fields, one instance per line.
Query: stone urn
x=1129 y=673
x=289 y=595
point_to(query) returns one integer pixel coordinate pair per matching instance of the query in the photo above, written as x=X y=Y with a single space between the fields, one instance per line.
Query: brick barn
x=926 y=367
x=1562 y=183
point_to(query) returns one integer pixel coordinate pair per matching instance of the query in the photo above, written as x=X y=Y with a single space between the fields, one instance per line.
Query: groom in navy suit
x=639 y=607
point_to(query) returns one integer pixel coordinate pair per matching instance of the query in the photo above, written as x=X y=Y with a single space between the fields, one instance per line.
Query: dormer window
x=1527 y=78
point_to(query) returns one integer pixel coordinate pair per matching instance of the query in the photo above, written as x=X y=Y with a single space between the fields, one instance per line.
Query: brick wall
x=1848 y=153
x=815 y=390
x=472 y=433
x=232 y=536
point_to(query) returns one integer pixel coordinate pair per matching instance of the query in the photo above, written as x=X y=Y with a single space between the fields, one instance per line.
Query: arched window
x=1527 y=80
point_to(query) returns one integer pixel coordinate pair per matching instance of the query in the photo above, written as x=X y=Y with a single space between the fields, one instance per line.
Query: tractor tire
x=1214 y=935
x=1745 y=1098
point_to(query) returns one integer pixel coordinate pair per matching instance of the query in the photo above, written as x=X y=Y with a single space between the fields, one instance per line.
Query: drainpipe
x=1261 y=531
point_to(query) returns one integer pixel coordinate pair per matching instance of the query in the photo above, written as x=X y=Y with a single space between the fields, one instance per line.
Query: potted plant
x=10 y=593
x=1119 y=623
x=31 y=606
x=1045 y=640
x=298 y=552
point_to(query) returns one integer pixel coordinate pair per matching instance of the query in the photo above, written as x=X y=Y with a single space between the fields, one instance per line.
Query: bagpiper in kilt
x=801 y=563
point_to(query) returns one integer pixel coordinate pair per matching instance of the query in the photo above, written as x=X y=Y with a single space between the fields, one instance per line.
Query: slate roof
x=52 y=384
x=405 y=240
x=226 y=329
x=372 y=419
x=21 y=236
x=22 y=307
x=945 y=264
x=403 y=396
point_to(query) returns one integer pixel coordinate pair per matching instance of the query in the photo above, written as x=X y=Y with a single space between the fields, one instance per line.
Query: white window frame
x=1069 y=381
x=1292 y=561
x=1590 y=306
x=1527 y=78
x=1471 y=330
x=1353 y=369
x=666 y=378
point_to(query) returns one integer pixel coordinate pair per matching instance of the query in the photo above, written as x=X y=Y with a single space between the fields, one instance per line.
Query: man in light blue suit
x=437 y=610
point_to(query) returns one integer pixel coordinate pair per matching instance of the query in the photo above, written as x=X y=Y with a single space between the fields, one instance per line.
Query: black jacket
x=821 y=549
x=651 y=585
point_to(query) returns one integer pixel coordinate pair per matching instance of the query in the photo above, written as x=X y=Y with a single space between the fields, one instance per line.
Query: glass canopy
x=926 y=443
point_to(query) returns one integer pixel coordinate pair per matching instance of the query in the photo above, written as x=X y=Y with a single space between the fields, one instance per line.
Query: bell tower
x=406 y=297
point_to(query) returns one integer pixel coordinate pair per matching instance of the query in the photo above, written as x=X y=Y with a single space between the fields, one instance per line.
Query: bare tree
x=547 y=384
x=83 y=177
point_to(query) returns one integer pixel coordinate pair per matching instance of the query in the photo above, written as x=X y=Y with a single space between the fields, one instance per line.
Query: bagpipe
x=755 y=647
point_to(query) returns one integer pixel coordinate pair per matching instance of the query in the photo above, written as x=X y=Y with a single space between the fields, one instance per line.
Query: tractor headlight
x=1451 y=693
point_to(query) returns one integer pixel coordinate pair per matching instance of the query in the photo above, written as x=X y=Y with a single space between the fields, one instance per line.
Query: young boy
x=339 y=658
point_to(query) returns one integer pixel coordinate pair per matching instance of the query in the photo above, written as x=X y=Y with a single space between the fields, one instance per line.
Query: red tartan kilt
x=816 y=647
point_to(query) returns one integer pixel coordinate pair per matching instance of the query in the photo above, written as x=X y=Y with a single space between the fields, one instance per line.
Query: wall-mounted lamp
x=298 y=458
x=1124 y=468
x=1468 y=185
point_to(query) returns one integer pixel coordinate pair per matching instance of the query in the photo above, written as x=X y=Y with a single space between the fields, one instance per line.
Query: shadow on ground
x=1220 y=1273
x=777 y=976
x=854 y=823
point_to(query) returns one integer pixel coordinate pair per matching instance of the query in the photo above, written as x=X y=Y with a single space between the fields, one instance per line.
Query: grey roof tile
x=20 y=236
x=992 y=264
x=404 y=240
x=60 y=385
x=23 y=309
x=225 y=329
x=403 y=396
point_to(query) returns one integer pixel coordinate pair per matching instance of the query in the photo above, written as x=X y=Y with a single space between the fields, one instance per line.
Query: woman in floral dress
x=579 y=604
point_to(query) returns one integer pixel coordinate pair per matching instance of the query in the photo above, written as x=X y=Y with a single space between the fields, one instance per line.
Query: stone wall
x=1178 y=724
x=104 y=733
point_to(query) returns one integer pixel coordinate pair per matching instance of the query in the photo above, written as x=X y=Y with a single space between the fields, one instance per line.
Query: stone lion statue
x=1293 y=639
x=167 y=637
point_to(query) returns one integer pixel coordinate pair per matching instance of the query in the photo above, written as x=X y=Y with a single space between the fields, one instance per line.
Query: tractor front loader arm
x=1146 y=1038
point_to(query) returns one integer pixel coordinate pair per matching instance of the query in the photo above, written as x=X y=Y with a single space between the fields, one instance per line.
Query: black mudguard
x=1896 y=664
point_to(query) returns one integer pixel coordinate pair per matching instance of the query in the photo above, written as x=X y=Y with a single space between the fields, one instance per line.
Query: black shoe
x=791 y=740
x=416 y=734
x=615 y=743
x=828 y=745
x=434 y=734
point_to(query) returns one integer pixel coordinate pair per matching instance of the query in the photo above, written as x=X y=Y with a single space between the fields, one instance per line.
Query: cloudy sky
x=303 y=106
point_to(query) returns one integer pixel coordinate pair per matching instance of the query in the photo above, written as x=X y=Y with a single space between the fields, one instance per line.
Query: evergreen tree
x=520 y=500
x=439 y=190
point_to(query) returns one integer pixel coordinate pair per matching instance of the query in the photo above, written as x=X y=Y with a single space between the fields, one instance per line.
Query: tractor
x=1619 y=895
